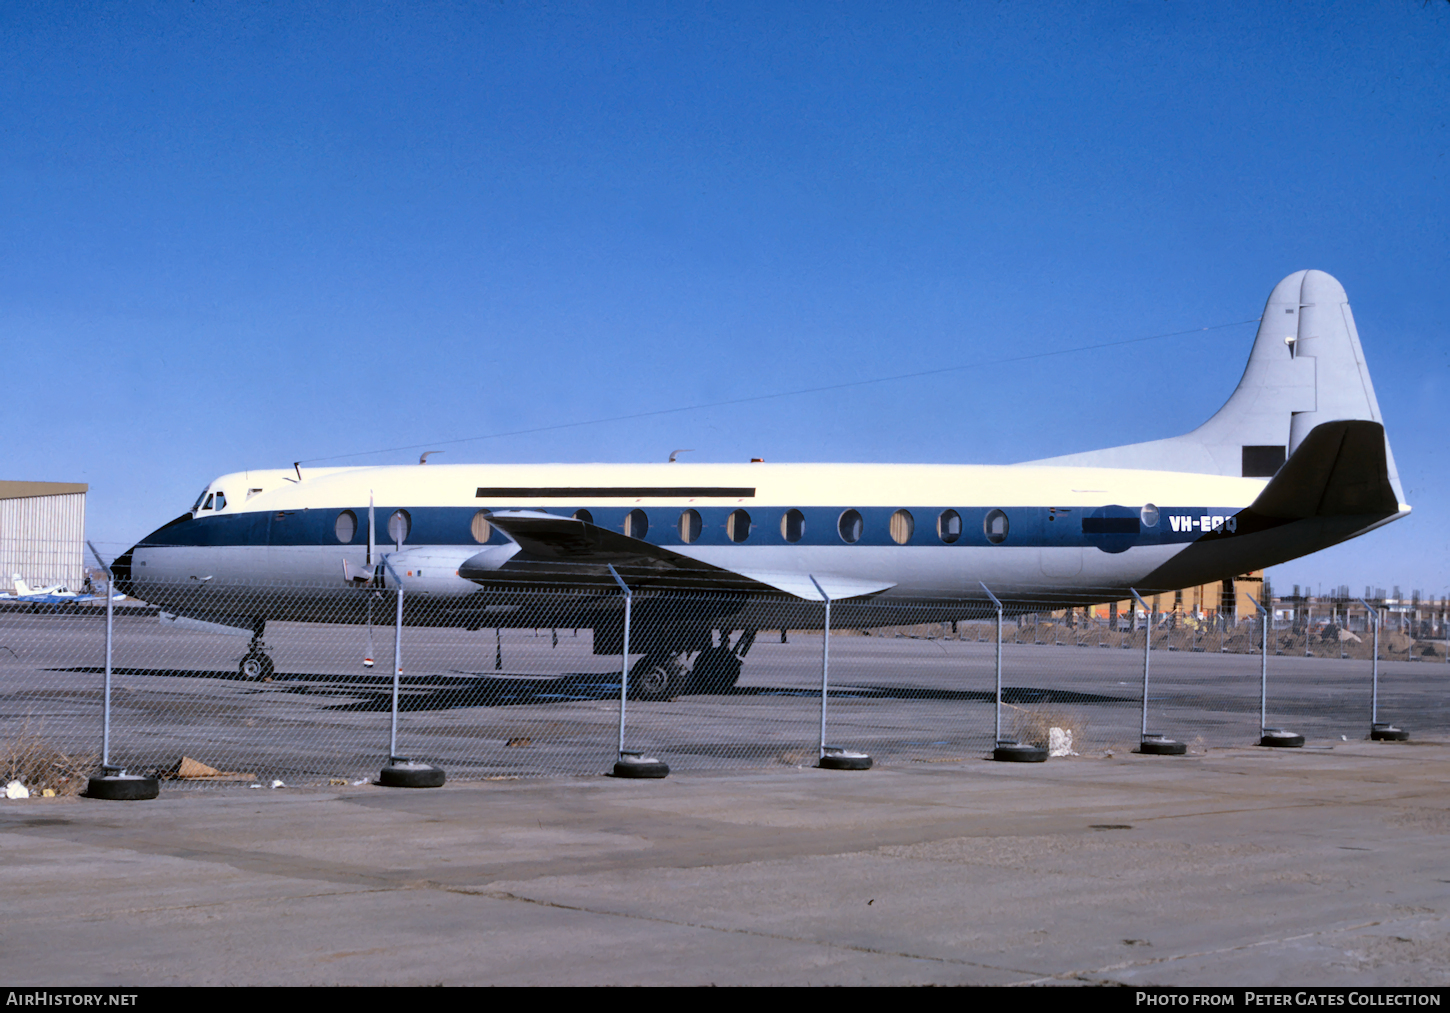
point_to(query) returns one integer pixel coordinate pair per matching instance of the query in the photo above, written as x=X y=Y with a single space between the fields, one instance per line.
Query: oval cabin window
x=850 y=526
x=636 y=524
x=399 y=526
x=995 y=526
x=1149 y=516
x=949 y=526
x=345 y=527
x=903 y=526
x=480 y=527
x=793 y=526
x=690 y=526
x=737 y=525
x=584 y=515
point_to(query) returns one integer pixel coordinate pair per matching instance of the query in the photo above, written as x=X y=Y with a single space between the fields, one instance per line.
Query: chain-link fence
x=297 y=683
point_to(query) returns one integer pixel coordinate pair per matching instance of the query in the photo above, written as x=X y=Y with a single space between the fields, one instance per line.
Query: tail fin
x=1306 y=368
x=21 y=588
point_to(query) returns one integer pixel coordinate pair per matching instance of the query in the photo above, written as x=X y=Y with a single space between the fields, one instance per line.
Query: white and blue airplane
x=1295 y=461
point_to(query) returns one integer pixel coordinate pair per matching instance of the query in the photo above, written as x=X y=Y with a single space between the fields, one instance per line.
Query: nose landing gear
x=256 y=665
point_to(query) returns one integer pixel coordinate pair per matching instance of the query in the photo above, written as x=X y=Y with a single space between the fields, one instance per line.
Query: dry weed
x=1032 y=724
x=28 y=758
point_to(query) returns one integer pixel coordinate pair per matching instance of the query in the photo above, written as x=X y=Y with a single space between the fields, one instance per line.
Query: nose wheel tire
x=256 y=667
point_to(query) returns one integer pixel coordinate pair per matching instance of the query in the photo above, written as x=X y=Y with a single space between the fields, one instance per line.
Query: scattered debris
x=1059 y=742
x=16 y=790
x=337 y=781
x=277 y=784
x=187 y=769
x=519 y=740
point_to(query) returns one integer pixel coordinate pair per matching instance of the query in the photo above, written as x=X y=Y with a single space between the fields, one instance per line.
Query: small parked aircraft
x=1295 y=461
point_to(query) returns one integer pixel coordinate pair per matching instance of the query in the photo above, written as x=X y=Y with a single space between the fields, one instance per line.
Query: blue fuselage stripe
x=1112 y=528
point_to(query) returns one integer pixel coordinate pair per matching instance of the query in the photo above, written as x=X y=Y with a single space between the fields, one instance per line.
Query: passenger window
x=584 y=515
x=690 y=526
x=636 y=524
x=345 y=527
x=995 y=526
x=737 y=525
x=793 y=525
x=903 y=525
x=480 y=527
x=1149 y=516
x=399 y=526
x=221 y=501
x=850 y=526
x=949 y=526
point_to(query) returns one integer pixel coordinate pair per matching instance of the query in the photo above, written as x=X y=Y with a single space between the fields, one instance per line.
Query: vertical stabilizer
x=1306 y=368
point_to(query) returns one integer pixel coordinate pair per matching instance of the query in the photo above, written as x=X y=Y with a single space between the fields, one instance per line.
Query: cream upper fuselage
x=919 y=531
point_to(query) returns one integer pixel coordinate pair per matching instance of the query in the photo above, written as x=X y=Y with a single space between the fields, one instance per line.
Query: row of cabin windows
x=850 y=526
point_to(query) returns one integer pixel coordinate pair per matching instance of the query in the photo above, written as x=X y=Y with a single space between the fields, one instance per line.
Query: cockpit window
x=197 y=505
x=207 y=505
x=221 y=501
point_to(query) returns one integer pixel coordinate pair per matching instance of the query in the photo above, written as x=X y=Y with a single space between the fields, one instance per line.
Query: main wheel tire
x=256 y=667
x=641 y=767
x=716 y=670
x=1019 y=752
x=122 y=787
x=1384 y=732
x=1278 y=738
x=410 y=774
x=656 y=679
x=845 y=759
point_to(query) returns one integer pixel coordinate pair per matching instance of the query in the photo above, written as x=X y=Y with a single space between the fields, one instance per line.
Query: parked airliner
x=1295 y=461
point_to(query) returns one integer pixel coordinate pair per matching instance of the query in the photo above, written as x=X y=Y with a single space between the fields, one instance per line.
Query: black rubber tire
x=641 y=767
x=1278 y=738
x=412 y=775
x=845 y=759
x=1158 y=745
x=1019 y=752
x=1385 y=732
x=122 y=787
x=653 y=679
x=256 y=667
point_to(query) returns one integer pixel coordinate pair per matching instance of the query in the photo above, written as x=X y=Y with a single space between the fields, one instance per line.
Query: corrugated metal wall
x=42 y=538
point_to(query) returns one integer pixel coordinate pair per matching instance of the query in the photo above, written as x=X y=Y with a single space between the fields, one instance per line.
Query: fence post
x=113 y=782
x=833 y=757
x=401 y=771
x=631 y=764
x=1278 y=737
x=1155 y=744
x=1379 y=731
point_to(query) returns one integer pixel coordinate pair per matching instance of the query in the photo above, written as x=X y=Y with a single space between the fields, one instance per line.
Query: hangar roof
x=21 y=490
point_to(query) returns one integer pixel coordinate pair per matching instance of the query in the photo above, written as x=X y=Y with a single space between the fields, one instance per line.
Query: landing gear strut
x=256 y=666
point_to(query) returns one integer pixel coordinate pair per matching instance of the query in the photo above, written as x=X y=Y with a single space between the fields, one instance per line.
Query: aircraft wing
x=555 y=547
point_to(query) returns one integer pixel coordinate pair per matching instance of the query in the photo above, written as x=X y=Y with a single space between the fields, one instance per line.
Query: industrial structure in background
x=43 y=533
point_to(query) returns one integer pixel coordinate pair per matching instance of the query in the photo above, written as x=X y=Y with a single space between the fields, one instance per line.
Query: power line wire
x=780 y=394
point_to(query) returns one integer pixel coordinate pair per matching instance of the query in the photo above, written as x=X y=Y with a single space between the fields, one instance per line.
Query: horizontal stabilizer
x=1338 y=469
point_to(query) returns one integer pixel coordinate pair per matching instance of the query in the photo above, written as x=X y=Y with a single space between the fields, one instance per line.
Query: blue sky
x=240 y=235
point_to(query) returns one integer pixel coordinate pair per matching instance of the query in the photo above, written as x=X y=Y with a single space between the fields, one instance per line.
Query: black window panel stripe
x=1110 y=526
x=612 y=492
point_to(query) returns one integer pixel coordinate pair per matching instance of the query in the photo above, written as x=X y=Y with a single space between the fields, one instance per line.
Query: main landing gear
x=255 y=665
x=663 y=676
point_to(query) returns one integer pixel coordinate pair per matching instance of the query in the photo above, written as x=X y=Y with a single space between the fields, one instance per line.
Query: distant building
x=43 y=533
